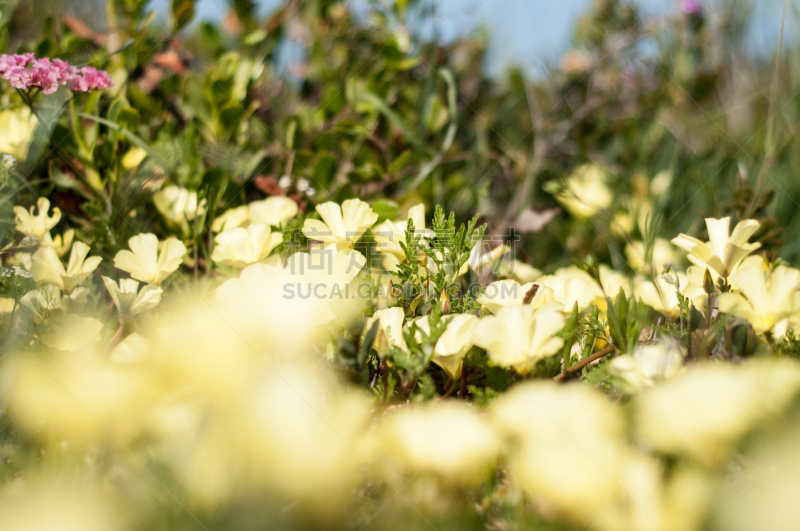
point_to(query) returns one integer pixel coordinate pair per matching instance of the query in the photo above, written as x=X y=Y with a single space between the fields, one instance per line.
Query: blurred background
x=677 y=109
x=528 y=33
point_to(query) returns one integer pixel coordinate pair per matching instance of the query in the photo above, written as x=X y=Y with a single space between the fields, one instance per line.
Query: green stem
x=11 y=319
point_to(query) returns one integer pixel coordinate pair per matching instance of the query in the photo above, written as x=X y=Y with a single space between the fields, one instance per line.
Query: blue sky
x=530 y=32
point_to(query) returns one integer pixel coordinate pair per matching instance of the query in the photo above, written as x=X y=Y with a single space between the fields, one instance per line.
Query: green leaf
x=182 y=13
x=386 y=209
x=154 y=154
x=394 y=118
x=128 y=118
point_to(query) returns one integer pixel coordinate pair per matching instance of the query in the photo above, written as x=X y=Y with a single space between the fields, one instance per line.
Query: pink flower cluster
x=24 y=71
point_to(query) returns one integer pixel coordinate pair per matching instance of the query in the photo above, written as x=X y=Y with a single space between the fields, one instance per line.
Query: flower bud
x=445 y=302
x=708 y=282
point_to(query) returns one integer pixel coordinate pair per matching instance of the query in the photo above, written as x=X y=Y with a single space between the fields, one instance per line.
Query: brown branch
x=584 y=362
x=463 y=386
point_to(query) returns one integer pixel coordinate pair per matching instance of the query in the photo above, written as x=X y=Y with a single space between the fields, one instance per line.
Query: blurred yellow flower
x=586 y=191
x=519 y=271
x=7 y=305
x=449 y=441
x=178 y=205
x=454 y=343
x=663 y=254
x=390 y=330
x=47 y=266
x=129 y=300
x=59 y=503
x=134 y=157
x=504 y=293
x=36 y=226
x=725 y=249
x=647 y=365
x=274 y=210
x=232 y=218
x=571 y=285
x=241 y=247
x=61 y=244
x=134 y=349
x=340 y=225
x=16 y=131
x=42 y=302
x=278 y=310
x=765 y=298
x=520 y=336
x=707 y=407
x=612 y=283
x=144 y=262
x=568 y=453
x=73 y=333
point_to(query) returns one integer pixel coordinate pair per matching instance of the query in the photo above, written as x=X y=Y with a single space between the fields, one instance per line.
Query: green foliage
x=626 y=318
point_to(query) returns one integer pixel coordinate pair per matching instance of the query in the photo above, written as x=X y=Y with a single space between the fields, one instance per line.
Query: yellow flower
x=663 y=297
x=725 y=249
x=145 y=263
x=23 y=260
x=505 y=293
x=571 y=285
x=706 y=408
x=343 y=225
x=274 y=311
x=519 y=271
x=480 y=259
x=453 y=344
x=178 y=205
x=765 y=299
x=586 y=191
x=37 y=226
x=16 y=131
x=390 y=330
x=131 y=350
x=126 y=298
x=60 y=501
x=389 y=234
x=235 y=217
x=663 y=254
x=134 y=157
x=73 y=333
x=449 y=441
x=47 y=267
x=647 y=365
x=7 y=305
x=568 y=452
x=61 y=244
x=520 y=336
x=241 y=247
x=275 y=210
x=42 y=302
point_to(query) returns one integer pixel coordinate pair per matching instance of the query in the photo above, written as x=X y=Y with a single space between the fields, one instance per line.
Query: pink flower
x=49 y=75
x=46 y=75
x=691 y=7
x=96 y=79
x=18 y=76
x=10 y=61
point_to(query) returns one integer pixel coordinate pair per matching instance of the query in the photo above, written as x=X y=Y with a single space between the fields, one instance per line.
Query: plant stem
x=584 y=362
x=11 y=319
